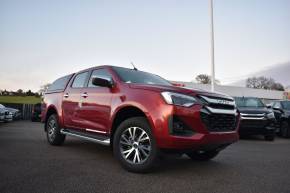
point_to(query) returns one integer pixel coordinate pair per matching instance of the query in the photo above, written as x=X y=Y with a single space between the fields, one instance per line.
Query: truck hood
x=182 y=90
x=252 y=110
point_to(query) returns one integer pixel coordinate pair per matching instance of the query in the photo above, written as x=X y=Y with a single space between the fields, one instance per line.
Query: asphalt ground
x=29 y=164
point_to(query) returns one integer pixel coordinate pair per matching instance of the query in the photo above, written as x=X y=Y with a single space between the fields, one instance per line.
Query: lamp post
x=212 y=45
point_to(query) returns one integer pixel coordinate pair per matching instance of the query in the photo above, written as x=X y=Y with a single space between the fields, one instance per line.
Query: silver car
x=2 y=115
x=8 y=115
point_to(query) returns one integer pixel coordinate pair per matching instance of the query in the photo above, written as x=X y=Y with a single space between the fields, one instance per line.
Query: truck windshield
x=286 y=105
x=139 y=77
x=249 y=102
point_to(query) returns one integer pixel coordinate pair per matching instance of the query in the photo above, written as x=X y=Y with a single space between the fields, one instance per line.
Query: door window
x=99 y=73
x=80 y=80
x=277 y=105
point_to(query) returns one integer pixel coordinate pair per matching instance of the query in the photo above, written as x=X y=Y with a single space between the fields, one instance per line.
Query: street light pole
x=212 y=45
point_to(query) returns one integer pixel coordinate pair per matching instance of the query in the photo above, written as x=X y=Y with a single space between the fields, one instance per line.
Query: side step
x=94 y=138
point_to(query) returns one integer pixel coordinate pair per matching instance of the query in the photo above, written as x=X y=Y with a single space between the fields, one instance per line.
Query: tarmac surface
x=29 y=164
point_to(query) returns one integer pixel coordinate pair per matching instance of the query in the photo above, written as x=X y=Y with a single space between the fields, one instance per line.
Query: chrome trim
x=221 y=101
x=103 y=142
x=96 y=131
x=253 y=115
x=222 y=111
x=252 y=118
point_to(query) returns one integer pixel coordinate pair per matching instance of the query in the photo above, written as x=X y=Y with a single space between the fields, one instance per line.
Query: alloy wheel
x=51 y=129
x=135 y=145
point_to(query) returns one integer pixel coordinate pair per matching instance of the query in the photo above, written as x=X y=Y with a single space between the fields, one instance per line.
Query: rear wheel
x=134 y=146
x=54 y=137
x=202 y=155
x=285 y=130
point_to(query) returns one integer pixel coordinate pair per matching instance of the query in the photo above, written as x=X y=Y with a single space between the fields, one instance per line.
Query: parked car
x=16 y=114
x=282 y=113
x=2 y=115
x=139 y=114
x=256 y=118
x=8 y=116
x=36 y=112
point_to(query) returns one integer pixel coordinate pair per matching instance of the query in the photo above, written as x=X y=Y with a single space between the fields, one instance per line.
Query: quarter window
x=80 y=80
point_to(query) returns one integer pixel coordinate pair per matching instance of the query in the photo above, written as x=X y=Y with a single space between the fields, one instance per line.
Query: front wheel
x=134 y=146
x=54 y=137
x=202 y=155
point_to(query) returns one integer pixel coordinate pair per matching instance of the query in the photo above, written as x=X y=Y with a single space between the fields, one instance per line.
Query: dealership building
x=234 y=91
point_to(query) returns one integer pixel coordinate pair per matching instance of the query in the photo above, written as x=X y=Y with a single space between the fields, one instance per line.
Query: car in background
x=5 y=115
x=2 y=115
x=36 y=112
x=16 y=114
x=282 y=113
x=256 y=118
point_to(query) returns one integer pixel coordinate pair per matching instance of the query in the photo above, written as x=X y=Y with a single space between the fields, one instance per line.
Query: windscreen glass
x=139 y=77
x=249 y=102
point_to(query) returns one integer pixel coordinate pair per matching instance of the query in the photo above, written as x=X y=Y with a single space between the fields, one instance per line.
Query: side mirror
x=278 y=109
x=269 y=106
x=102 y=82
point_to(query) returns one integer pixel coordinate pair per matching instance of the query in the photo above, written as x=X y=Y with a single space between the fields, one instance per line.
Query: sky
x=41 y=40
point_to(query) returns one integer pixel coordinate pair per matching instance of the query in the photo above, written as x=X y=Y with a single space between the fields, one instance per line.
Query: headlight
x=270 y=115
x=178 y=99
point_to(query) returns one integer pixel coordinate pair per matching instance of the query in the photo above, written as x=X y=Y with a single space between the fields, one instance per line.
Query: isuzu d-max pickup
x=138 y=114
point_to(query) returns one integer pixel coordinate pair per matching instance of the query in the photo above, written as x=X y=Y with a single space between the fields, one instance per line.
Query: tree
x=205 y=79
x=29 y=93
x=44 y=88
x=19 y=92
x=264 y=83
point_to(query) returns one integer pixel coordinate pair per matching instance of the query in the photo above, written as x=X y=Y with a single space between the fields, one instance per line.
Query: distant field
x=20 y=99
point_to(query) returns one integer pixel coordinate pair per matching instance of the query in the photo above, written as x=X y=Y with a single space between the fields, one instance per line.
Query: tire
x=285 y=130
x=269 y=137
x=202 y=155
x=53 y=135
x=134 y=145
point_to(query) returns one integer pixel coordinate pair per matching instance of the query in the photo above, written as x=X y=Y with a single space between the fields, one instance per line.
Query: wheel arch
x=126 y=112
x=50 y=111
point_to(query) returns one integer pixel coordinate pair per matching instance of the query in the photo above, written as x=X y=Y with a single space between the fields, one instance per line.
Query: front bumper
x=2 y=118
x=8 y=118
x=257 y=127
x=201 y=137
x=201 y=141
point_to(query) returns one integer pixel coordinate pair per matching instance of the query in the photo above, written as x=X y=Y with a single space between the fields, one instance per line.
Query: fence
x=25 y=109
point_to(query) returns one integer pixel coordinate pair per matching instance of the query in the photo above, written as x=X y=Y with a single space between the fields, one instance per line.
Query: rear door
x=96 y=104
x=71 y=104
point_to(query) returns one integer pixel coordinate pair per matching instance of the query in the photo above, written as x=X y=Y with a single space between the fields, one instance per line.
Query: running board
x=96 y=139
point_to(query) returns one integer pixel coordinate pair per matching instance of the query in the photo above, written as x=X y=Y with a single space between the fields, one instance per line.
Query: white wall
x=237 y=91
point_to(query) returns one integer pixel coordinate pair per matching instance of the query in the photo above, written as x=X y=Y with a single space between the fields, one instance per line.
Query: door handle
x=66 y=95
x=84 y=95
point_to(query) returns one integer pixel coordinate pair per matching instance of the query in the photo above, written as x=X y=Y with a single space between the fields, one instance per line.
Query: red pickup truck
x=139 y=115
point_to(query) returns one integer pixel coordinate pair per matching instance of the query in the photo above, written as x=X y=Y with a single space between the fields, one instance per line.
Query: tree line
x=19 y=92
x=260 y=82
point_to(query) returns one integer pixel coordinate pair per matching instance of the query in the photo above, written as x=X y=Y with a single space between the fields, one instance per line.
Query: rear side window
x=80 y=80
x=59 y=84
x=99 y=73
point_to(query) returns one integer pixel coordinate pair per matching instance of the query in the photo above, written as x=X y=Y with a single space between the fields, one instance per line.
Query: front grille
x=217 y=102
x=254 y=123
x=219 y=122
